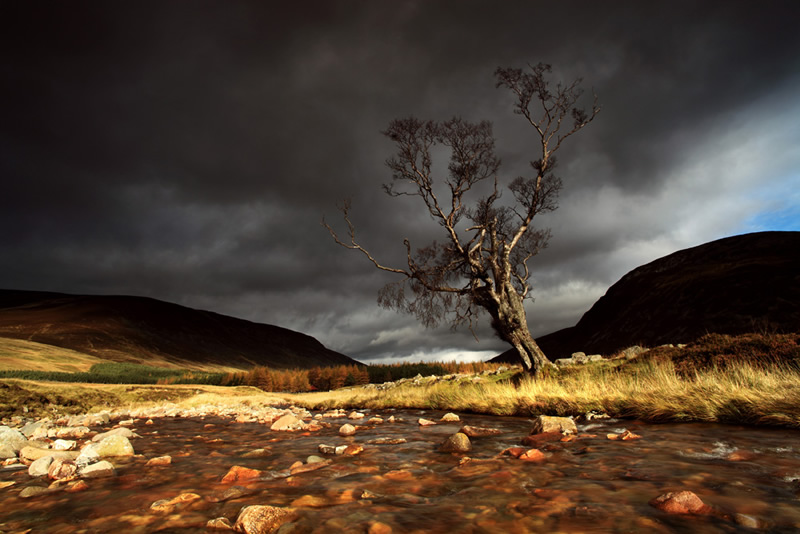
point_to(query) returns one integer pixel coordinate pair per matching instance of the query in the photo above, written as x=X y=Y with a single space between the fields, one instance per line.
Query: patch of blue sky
x=780 y=208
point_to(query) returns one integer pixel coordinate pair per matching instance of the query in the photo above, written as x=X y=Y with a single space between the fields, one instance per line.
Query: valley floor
x=651 y=391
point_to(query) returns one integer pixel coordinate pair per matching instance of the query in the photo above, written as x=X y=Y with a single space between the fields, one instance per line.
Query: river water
x=748 y=476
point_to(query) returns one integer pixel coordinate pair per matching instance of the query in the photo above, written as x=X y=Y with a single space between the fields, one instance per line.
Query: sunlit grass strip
x=651 y=391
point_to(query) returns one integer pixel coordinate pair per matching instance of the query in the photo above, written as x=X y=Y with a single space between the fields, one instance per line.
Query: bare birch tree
x=482 y=263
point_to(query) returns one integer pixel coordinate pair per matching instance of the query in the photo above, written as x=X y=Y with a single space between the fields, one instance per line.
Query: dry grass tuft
x=651 y=390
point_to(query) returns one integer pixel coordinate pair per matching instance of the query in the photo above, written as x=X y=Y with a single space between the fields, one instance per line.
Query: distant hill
x=742 y=284
x=145 y=330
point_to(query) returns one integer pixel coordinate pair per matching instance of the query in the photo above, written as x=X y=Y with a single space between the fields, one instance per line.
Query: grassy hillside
x=151 y=332
x=29 y=355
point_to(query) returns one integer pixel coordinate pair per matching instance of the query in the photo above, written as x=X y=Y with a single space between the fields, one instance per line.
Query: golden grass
x=31 y=356
x=650 y=391
x=50 y=398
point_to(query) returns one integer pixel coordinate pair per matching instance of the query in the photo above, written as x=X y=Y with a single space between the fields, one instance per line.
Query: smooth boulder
x=458 y=442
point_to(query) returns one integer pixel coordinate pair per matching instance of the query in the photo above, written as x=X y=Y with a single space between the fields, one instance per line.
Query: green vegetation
x=119 y=373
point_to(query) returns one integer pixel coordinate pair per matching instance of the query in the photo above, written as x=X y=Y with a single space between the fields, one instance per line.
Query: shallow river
x=748 y=476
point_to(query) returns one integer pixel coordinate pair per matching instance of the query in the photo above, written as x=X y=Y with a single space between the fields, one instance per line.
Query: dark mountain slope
x=747 y=283
x=146 y=330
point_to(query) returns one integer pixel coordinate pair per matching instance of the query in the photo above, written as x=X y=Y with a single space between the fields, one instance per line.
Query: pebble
x=450 y=418
x=626 y=435
x=159 y=461
x=425 y=422
x=347 y=430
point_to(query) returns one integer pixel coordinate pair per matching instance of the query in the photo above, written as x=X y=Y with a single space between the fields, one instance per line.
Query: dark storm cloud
x=187 y=151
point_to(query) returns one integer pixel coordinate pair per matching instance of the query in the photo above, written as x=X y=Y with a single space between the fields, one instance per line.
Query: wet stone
x=234 y=492
x=12 y=438
x=288 y=423
x=65 y=444
x=626 y=435
x=347 y=430
x=40 y=467
x=77 y=486
x=450 y=418
x=479 y=431
x=62 y=469
x=262 y=519
x=34 y=491
x=219 y=523
x=258 y=453
x=425 y=422
x=114 y=445
x=458 y=442
x=6 y=452
x=544 y=424
x=100 y=469
x=238 y=473
x=682 y=502
x=159 y=461
x=378 y=527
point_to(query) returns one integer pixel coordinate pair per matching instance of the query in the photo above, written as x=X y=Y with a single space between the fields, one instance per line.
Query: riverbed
x=748 y=477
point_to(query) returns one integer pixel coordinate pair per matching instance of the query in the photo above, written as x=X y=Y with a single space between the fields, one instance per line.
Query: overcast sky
x=187 y=151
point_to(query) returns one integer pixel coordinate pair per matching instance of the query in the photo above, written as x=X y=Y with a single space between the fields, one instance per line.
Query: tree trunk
x=511 y=324
x=532 y=357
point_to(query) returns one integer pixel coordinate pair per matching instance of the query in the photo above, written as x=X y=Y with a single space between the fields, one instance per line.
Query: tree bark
x=511 y=324
x=532 y=357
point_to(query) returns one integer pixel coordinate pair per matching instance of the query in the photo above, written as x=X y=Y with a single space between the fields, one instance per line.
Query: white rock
x=100 y=469
x=13 y=438
x=40 y=467
x=64 y=444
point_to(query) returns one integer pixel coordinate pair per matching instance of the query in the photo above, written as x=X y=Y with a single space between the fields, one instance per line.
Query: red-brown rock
x=296 y=469
x=532 y=455
x=61 y=469
x=238 y=473
x=353 y=449
x=516 y=452
x=479 y=431
x=159 y=461
x=681 y=502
